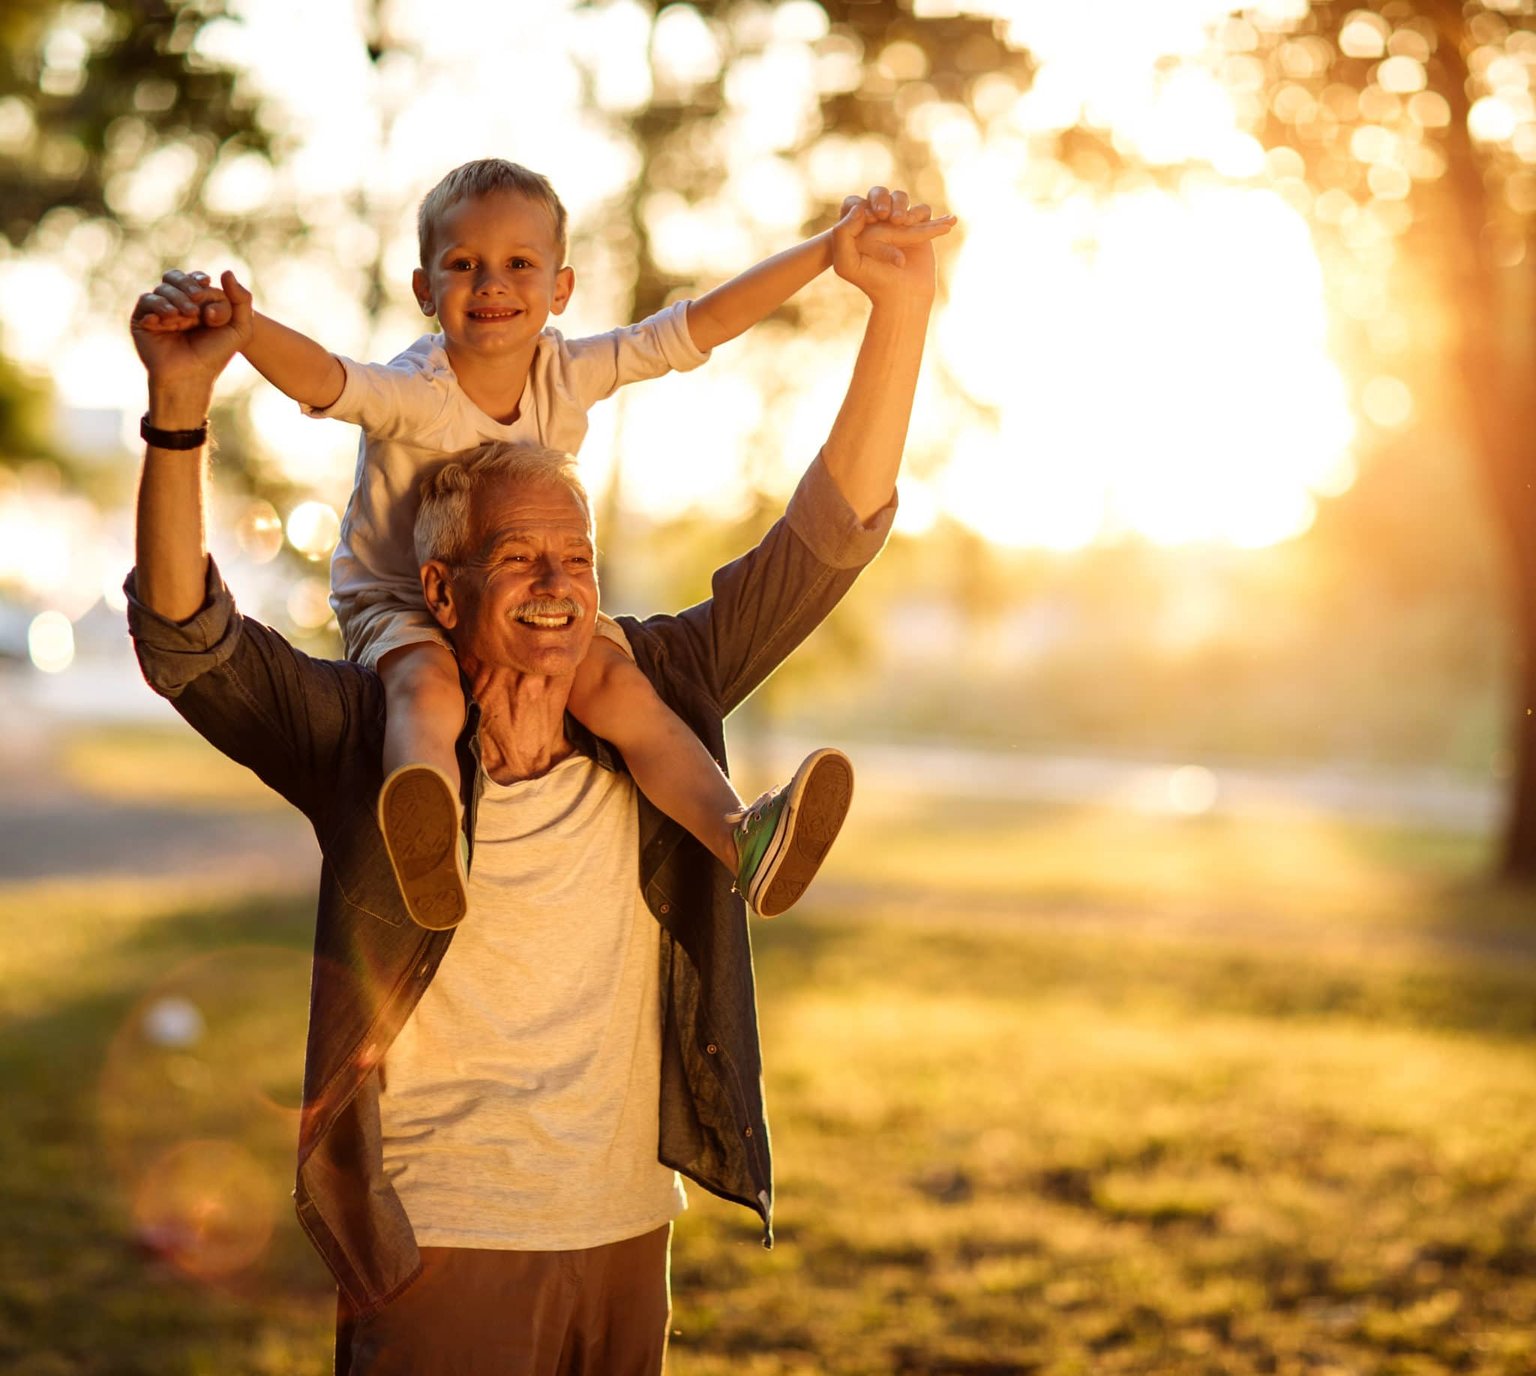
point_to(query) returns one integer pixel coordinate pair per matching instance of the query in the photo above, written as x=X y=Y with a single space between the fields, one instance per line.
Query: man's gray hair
x=443 y=525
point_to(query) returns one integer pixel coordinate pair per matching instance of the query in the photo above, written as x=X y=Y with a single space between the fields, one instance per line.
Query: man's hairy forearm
x=863 y=452
x=171 y=552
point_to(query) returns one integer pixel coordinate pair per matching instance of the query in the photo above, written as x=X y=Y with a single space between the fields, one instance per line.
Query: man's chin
x=549 y=651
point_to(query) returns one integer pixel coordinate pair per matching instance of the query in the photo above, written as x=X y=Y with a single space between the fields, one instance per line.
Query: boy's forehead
x=465 y=214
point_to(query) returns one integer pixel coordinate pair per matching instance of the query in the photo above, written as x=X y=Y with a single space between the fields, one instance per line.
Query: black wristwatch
x=173 y=439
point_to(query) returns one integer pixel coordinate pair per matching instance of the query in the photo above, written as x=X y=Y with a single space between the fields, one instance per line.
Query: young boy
x=493 y=242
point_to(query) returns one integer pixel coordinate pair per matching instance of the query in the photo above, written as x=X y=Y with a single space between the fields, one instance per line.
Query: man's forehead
x=522 y=509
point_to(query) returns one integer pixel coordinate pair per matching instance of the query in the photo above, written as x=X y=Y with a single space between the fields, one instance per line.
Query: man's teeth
x=549 y=622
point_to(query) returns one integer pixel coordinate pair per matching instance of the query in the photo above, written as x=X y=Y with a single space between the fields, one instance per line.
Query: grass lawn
x=1052 y=1091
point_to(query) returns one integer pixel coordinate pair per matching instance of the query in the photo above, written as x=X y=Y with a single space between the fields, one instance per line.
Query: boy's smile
x=495 y=277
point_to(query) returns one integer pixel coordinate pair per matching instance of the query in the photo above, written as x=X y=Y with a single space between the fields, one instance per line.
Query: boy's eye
x=460 y=265
x=521 y=263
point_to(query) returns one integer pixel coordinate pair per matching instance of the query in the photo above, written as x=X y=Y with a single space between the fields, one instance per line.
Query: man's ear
x=423 y=290
x=437 y=588
x=565 y=284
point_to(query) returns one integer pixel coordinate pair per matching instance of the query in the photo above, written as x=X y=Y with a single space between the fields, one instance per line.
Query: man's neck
x=495 y=382
x=522 y=723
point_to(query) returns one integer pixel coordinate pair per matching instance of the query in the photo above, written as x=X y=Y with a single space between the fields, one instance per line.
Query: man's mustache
x=547 y=606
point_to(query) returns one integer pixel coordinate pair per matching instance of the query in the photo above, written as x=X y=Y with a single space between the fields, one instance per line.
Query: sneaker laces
x=753 y=812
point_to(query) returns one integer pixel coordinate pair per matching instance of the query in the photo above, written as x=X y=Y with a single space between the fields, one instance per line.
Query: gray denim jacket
x=312 y=729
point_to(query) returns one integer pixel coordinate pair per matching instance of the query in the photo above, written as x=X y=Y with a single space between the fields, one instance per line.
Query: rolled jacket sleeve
x=820 y=515
x=173 y=654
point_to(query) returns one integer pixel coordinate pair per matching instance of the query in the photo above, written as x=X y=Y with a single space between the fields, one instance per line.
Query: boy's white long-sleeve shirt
x=413 y=412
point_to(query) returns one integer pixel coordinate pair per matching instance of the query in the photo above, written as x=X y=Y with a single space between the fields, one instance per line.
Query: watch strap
x=173 y=439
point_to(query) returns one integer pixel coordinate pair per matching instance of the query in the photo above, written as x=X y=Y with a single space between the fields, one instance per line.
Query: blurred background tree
x=1398 y=129
x=112 y=122
x=89 y=92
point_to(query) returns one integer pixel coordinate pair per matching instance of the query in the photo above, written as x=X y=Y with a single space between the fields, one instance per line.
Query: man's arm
x=292 y=362
x=767 y=601
x=183 y=362
x=291 y=719
x=894 y=268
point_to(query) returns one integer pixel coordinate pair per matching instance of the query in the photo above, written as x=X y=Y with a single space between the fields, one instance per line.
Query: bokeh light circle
x=51 y=642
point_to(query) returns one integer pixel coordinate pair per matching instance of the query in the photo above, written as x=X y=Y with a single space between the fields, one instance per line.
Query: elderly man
x=496 y=1117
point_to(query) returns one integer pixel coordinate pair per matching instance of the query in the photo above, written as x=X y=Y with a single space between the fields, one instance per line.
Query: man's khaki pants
x=600 y=1311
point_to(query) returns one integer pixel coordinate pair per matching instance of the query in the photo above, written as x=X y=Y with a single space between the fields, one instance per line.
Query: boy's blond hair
x=485 y=177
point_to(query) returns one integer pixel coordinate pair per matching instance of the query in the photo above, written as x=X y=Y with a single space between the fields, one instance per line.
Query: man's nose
x=551 y=577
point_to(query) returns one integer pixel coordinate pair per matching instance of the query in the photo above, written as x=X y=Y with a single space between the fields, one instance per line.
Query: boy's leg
x=773 y=848
x=419 y=809
x=613 y=699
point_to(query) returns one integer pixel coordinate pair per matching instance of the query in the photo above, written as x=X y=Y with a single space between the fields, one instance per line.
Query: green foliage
x=91 y=90
x=894 y=66
x=24 y=416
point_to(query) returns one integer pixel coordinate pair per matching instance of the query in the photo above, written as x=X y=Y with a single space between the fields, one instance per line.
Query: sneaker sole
x=419 y=817
x=819 y=796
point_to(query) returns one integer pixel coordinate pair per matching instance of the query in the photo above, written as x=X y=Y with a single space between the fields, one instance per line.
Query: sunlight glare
x=1168 y=377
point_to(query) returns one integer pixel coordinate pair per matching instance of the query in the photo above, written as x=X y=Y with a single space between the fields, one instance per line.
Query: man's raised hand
x=186 y=329
x=882 y=245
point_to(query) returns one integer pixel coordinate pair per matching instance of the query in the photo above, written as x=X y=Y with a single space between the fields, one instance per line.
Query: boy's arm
x=292 y=362
x=734 y=307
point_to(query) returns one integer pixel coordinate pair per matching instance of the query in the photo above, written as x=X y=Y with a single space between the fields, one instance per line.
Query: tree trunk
x=1493 y=356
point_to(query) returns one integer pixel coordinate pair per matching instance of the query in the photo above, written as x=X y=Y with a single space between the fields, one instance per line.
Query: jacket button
x=711 y=1049
x=746 y=1131
x=664 y=908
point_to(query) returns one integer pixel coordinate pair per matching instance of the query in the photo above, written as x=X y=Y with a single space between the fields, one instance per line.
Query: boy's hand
x=883 y=246
x=186 y=330
x=890 y=207
x=184 y=301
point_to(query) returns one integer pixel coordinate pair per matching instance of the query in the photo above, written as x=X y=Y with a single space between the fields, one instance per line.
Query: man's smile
x=554 y=614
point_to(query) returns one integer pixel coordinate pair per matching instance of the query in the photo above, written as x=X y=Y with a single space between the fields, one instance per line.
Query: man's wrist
x=903 y=311
x=173 y=407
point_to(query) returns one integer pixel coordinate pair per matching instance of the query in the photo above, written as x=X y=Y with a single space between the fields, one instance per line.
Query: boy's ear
x=565 y=284
x=437 y=589
x=423 y=290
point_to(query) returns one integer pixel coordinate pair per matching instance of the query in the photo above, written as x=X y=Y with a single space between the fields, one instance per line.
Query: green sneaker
x=785 y=835
x=419 y=816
